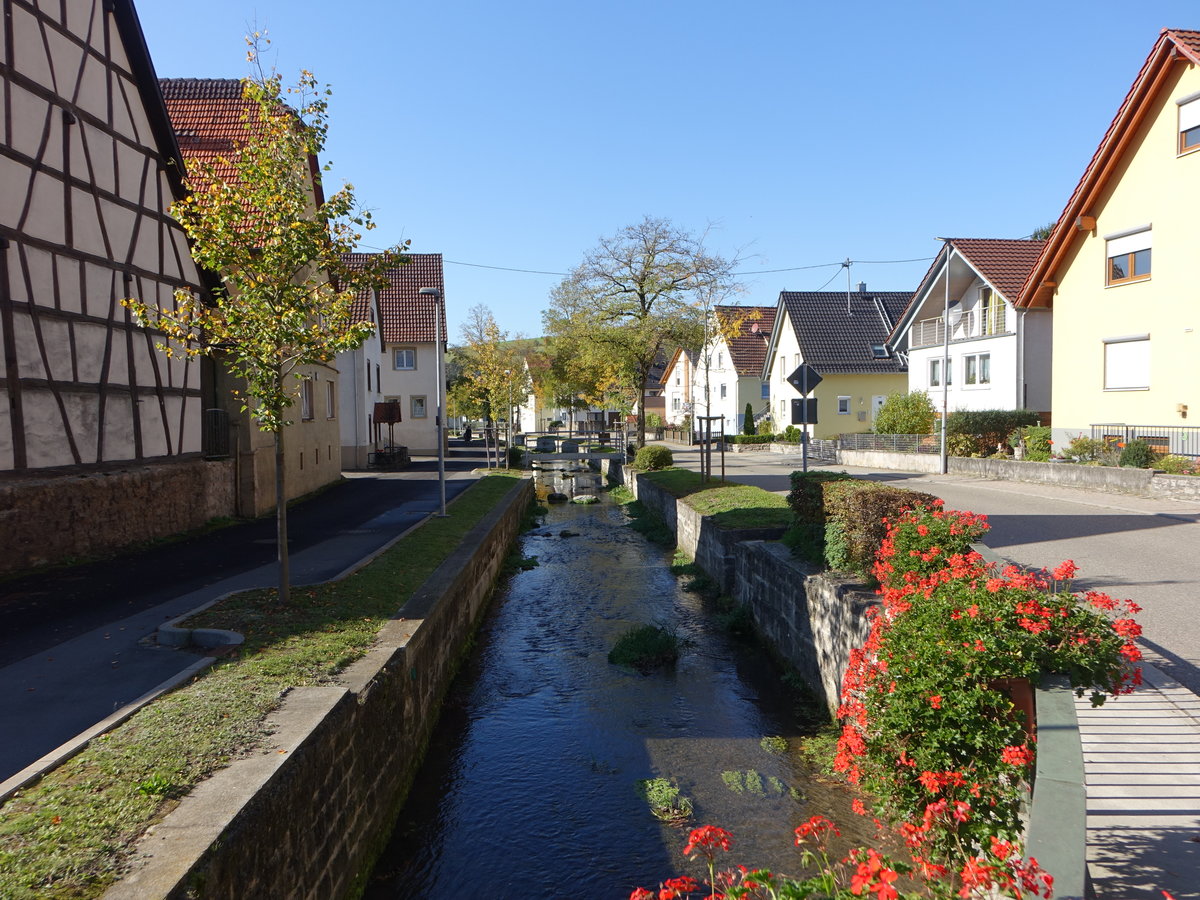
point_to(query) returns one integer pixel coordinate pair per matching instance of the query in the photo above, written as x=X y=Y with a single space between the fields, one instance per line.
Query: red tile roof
x=1003 y=263
x=1172 y=45
x=209 y=116
x=748 y=351
x=407 y=315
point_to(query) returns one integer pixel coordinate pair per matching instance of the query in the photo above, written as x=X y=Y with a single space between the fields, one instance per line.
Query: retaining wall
x=307 y=817
x=1110 y=479
x=49 y=519
x=712 y=547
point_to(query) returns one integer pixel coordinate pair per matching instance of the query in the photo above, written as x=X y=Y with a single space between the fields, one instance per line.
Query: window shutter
x=1189 y=114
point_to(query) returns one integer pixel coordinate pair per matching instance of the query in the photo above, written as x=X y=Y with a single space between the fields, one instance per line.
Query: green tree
x=259 y=221
x=492 y=366
x=634 y=295
x=910 y=413
x=748 y=419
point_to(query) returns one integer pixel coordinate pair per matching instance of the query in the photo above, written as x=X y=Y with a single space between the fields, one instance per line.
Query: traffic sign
x=804 y=411
x=804 y=379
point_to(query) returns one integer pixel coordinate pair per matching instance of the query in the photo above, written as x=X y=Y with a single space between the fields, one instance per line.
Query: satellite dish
x=956 y=315
x=754 y=328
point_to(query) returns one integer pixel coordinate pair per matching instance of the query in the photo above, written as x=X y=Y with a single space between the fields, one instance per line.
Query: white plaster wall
x=419 y=435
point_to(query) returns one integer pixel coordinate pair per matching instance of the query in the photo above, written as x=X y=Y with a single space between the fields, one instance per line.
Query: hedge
x=806 y=537
x=988 y=427
x=749 y=438
x=854 y=521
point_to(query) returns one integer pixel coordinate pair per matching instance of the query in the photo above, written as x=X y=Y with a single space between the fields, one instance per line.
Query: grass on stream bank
x=68 y=835
x=732 y=505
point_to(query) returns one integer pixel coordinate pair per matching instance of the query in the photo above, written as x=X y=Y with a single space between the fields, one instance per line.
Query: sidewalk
x=78 y=649
x=1141 y=752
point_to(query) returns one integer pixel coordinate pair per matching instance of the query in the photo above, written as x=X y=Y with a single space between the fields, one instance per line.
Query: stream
x=529 y=787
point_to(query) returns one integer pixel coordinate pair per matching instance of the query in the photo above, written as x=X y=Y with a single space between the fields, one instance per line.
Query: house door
x=876 y=404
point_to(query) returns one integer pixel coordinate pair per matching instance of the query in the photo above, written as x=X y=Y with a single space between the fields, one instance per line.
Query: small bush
x=653 y=457
x=654 y=420
x=856 y=521
x=962 y=445
x=1037 y=441
x=806 y=537
x=748 y=438
x=988 y=427
x=910 y=413
x=1084 y=449
x=1176 y=465
x=790 y=435
x=1138 y=455
x=645 y=648
x=515 y=455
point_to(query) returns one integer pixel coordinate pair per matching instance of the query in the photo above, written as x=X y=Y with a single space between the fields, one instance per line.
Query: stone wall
x=307 y=817
x=812 y=619
x=49 y=519
x=712 y=547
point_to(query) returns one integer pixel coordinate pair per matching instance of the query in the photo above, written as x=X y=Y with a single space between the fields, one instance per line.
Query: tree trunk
x=281 y=532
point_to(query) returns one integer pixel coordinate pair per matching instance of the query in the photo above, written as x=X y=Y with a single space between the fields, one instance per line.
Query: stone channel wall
x=307 y=817
x=713 y=548
x=46 y=519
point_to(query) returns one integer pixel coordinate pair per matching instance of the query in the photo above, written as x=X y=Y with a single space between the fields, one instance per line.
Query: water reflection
x=529 y=785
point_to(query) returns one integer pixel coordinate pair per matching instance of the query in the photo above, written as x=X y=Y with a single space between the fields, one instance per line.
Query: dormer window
x=1128 y=255
x=879 y=351
x=1189 y=123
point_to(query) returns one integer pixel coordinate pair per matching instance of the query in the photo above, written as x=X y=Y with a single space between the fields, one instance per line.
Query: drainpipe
x=1020 y=358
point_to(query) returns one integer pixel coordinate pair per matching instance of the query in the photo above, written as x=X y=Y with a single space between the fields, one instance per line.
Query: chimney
x=862 y=287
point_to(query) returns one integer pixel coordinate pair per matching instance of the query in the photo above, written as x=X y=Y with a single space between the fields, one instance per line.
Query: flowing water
x=529 y=786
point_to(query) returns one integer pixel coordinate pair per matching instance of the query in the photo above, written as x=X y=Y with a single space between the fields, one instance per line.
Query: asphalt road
x=1142 y=549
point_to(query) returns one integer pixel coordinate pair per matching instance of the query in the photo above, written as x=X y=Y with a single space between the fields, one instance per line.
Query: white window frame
x=412 y=352
x=330 y=399
x=1127 y=363
x=724 y=390
x=935 y=368
x=418 y=401
x=982 y=365
x=306 y=398
x=843 y=406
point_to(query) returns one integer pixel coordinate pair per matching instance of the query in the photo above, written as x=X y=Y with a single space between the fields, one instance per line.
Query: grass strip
x=68 y=835
x=731 y=504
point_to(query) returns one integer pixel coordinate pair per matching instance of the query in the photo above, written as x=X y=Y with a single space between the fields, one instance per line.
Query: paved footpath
x=78 y=653
x=1142 y=751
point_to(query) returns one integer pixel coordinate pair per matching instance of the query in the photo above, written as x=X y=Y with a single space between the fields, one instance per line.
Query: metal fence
x=891 y=443
x=1181 y=440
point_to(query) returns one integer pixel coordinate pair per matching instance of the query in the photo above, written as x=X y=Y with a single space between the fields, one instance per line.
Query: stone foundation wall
x=50 y=519
x=306 y=818
x=812 y=619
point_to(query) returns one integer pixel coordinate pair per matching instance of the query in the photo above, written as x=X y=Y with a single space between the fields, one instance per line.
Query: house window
x=843 y=406
x=1127 y=363
x=879 y=351
x=405 y=358
x=368 y=376
x=675 y=403
x=378 y=384
x=766 y=391
x=935 y=373
x=977 y=368
x=720 y=360
x=991 y=312
x=723 y=387
x=417 y=405
x=330 y=400
x=1189 y=123
x=1128 y=256
x=306 y=399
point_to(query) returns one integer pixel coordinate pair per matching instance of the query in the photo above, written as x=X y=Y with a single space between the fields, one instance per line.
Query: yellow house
x=1120 y=267
x=843 y=336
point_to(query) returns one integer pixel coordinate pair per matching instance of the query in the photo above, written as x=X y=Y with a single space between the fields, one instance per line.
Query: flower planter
x=1020 y=692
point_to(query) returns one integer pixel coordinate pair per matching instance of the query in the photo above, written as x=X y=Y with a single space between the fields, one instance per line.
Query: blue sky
x=516 y=134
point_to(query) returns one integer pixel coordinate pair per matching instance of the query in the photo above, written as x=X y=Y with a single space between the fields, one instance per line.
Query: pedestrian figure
x=467 y=435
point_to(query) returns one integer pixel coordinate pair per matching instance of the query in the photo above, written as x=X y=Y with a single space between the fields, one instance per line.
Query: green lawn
x=67 y=835
x=731 y=505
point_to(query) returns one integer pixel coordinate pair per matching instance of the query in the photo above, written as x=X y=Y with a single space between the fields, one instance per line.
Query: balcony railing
x=971 y=324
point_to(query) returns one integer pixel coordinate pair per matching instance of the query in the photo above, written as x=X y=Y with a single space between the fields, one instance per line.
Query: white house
x=998 y=356
x=397 y=366
x=678 y=386
x=728 y=371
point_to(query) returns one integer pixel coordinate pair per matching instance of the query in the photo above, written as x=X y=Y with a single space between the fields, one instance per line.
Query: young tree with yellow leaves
x=258 y=220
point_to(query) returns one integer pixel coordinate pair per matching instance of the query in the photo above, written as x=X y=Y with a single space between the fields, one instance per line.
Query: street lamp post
x=439 y=306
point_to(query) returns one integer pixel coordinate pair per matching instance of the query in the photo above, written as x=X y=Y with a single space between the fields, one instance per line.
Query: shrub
x=989 y=427
x=1084 y=449
x=962 y=445
x=652 y=457
x=1176 y=465
x=515 y=455
x=1037 y=441
x=654 y=420
x=1138 y=455
x=856 y=514
x=806 y=537
x=790 y=435
x=664 y=801
x=910 y=413
x=748 y=420
x=645 y=648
